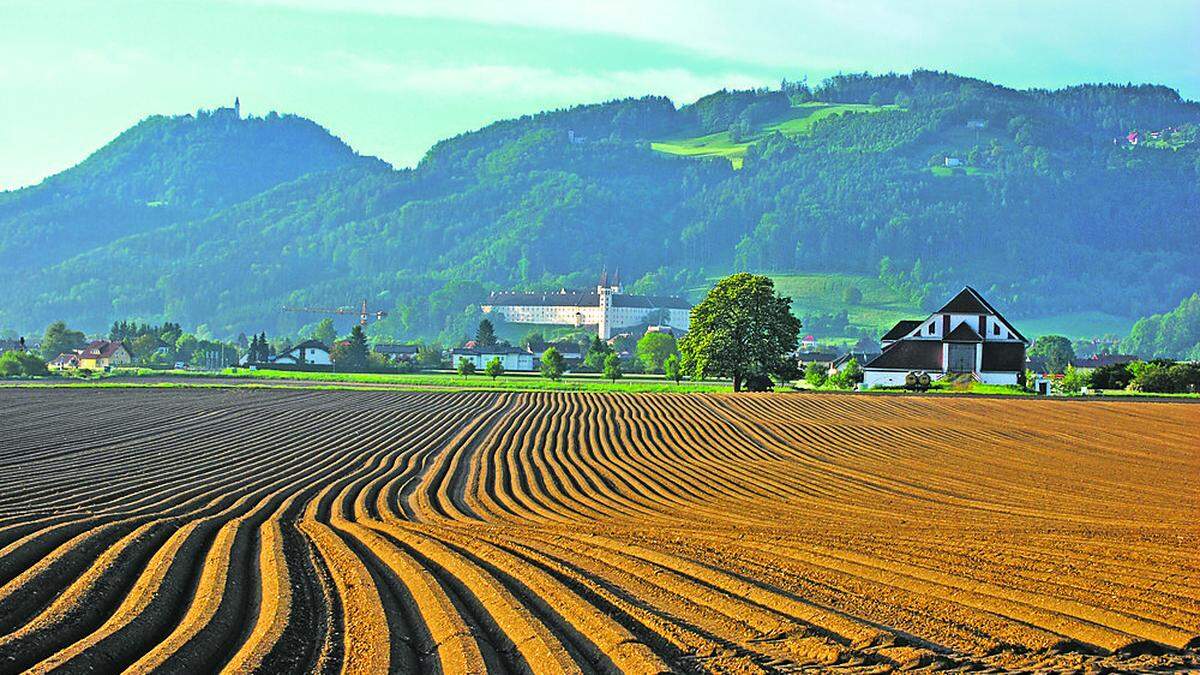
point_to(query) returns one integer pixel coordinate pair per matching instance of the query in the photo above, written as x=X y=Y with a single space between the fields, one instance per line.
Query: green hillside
x=217 y=222
x=799 y=120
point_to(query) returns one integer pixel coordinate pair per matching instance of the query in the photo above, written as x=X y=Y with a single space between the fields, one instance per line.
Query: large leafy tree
x=58 y=339
x=741 y=328
x=654 y=349
x=1056 y=350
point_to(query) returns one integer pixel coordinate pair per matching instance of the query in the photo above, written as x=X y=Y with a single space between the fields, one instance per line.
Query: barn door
x=962 y=358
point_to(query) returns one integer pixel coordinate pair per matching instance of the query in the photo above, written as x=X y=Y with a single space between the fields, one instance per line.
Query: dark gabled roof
x=963 y=333
x=910 y=355
x=968 y=301
x=481 y=351
x=309 y=344
x=650 y=301
x=102 y=349
x=901 y=329
x=577 y=299
x=860 y=357
x=395 y=349
x=1101 y=360
x=816 y=357
x=1003 y=357
x=559 y=299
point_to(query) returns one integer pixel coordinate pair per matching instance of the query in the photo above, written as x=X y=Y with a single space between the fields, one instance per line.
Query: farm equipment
x=917 y=381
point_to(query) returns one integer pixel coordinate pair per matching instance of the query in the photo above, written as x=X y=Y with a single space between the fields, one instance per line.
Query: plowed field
x=194 y=530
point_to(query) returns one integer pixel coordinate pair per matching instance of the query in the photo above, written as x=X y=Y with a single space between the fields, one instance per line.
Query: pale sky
x=391 y=77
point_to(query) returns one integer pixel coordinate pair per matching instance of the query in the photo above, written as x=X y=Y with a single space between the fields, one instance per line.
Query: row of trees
x=1158 y=376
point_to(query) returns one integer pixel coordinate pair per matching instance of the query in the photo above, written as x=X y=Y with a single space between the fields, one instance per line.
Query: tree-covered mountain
x=220 y=221
x=164 y=170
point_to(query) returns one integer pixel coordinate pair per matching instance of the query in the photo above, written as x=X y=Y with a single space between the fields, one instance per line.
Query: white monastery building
x=608 y=308
x=966 y=336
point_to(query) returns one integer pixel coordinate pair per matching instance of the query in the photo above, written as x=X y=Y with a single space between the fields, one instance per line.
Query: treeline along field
x=196 y=530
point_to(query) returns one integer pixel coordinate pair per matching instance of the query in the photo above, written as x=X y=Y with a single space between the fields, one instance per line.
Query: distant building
x=395 y=353
x=235 y=111
x=808 y=343
x=512 y=358
x=570 y=351
x=102 y=354
x=17 y=345
x=952 y=161
x=64 y=361
x=976 y=124
x=1101 y=360
x=860 y=357
x=823 y=359
x=309 y=352
x=966 y=336
x=1133 y=137
x=608 y=310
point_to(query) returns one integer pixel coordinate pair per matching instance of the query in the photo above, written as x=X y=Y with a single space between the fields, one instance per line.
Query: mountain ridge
x=545 y=200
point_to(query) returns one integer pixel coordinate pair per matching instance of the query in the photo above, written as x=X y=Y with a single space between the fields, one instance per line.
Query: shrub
x=815 y=375
x=553 y=364
x=612 y=367
x=1166 y=378
x=14 y=364
x=760 y=382
x=1114 y=376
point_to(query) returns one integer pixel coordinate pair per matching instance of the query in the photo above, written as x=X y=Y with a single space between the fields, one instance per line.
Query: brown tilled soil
x=190 y=530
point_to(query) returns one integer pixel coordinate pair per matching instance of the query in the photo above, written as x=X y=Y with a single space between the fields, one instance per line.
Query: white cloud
x=520 y=81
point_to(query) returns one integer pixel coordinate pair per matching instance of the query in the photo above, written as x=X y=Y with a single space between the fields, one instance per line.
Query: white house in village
x=309 y=352
x=609 y=309
x=966 y=336
x=512 y=358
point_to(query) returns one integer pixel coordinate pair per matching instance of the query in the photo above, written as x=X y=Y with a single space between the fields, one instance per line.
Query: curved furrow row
x=301 y=530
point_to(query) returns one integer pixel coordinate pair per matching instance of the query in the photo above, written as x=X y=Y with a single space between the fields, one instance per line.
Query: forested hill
x=218 y=221
x=163 y=170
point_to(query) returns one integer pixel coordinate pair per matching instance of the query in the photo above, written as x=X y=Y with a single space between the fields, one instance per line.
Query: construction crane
x=363 y=313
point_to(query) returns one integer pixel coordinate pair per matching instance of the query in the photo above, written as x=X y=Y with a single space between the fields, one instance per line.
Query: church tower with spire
x=237 y=107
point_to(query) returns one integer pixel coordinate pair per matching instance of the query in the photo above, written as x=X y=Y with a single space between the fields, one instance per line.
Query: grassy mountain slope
x=796 y=121
x=249 y=215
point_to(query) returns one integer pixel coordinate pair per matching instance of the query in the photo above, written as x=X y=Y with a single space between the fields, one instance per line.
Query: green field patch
x=630 y=383
x=949 y=171
x=798 y=122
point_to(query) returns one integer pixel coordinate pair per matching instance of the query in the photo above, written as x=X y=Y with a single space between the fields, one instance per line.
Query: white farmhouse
x=608 y=309
x=309 y=352
x=512 y=358
x=966 y=336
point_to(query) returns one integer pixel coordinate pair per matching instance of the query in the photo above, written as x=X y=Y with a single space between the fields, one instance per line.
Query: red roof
x=101 y=349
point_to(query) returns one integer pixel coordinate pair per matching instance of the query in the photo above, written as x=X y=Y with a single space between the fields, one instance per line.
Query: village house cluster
x=97 y=355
